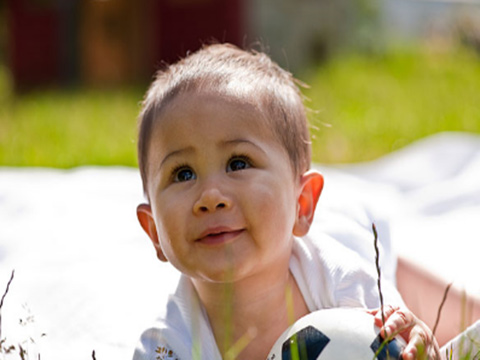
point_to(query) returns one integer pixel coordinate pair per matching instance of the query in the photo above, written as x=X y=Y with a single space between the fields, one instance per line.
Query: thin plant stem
x=228 y=297
x=379 y=283
x=290 y=307
x=241 y=343
x=379 y=273
x=3 y=299
x=439 y=312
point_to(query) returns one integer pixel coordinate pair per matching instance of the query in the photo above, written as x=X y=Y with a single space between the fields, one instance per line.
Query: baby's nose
x=211 y=200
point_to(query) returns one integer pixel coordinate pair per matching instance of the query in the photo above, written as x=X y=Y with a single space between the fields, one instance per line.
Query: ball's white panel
x=334 y=334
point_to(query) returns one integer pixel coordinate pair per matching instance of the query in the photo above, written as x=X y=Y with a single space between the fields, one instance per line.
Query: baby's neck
x=258 y=314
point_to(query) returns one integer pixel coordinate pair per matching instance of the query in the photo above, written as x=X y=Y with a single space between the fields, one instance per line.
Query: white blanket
x=89 y=276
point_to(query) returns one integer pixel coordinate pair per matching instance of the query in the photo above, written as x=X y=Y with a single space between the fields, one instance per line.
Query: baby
x=224 y=154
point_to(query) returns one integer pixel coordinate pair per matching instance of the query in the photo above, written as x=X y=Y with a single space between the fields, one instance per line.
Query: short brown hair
x=217 y=66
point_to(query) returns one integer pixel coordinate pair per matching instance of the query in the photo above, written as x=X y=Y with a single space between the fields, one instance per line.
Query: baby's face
x=222 y=190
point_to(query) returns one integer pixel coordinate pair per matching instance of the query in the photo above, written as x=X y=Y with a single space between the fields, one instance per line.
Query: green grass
x=70 y=128
x=368 y=106
x=365 y=106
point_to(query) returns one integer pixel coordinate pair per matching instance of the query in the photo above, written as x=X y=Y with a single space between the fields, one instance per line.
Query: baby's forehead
x=192 y=103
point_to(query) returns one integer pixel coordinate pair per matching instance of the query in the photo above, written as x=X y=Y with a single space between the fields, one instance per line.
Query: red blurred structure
x=181 y=26
x=111 y=42
x=34 y=38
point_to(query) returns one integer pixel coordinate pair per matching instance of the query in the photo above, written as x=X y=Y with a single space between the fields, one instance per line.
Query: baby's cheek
x=169 y=230
x=275 y=215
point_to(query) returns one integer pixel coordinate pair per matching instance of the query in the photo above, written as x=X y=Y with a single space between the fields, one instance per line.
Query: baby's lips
x=216 y=230
x=219 y=236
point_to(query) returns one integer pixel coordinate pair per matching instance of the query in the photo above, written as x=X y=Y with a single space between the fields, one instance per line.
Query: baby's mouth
x=218 y=237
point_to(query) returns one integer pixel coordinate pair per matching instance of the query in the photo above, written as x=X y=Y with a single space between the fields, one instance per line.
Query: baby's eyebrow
x=175 y=153
x=242 y=141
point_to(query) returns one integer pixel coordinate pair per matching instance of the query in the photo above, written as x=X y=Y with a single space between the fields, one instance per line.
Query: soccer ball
x=333 y=334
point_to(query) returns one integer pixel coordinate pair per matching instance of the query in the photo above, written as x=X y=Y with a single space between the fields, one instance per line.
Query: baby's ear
x=311 y=185
x=145 y=217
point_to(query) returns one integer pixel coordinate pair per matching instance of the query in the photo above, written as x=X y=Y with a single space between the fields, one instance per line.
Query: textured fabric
x=464 y=346
x=331 y=275
x=328 y=274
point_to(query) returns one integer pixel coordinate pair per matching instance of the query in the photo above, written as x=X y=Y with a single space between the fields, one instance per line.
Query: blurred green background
x=368 y=106
x=368 y=93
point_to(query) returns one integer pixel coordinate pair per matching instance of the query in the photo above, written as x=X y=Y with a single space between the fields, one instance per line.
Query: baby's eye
x=238 y=163
x=183 y=174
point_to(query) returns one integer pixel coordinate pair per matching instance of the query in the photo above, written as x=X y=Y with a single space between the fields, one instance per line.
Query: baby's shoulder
x=333 y=274
x=334 y=255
